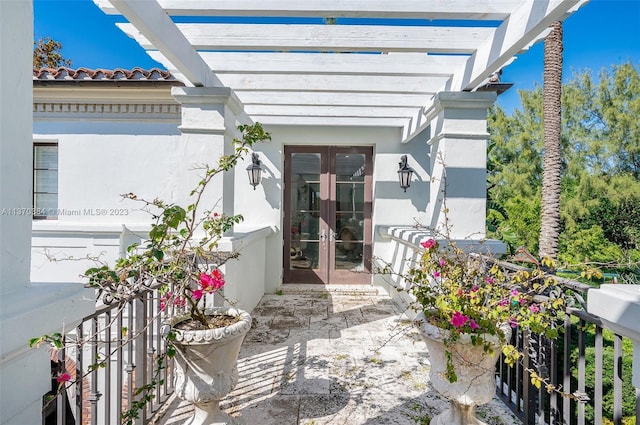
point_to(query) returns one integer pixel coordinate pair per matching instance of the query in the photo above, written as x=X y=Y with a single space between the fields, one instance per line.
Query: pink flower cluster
x=209 y=283
x=63 y=377
x=177 y=301
x=429 y=243
x=458 y=320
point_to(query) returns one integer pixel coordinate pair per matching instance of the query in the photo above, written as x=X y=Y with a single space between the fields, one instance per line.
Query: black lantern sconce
x=404 y=173
x=254 y=170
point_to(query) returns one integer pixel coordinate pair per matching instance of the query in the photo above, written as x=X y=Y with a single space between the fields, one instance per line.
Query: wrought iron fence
x=596 y=391
x=110 y=355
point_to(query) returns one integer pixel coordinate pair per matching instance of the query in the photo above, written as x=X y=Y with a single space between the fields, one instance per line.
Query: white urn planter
x=206 y=365
x=475 y=370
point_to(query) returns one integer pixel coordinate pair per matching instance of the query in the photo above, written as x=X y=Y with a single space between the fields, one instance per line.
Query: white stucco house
x=343 y=104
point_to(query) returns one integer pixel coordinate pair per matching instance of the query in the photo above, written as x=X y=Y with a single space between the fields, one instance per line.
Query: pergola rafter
x=326 y=38
x=393 y=64
x=381 y=67
x=408 y=9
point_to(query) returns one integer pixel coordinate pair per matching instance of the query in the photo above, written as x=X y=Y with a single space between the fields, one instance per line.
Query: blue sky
x=602 y=33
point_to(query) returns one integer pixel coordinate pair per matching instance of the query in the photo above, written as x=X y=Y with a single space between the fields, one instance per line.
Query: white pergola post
x=210 y=116
x=24 y=376
x=16 y=104
x=459 y=162
x=27 y=310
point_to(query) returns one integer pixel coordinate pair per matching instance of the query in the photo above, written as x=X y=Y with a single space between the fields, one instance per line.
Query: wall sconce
x=254 y=170
x=404 y=173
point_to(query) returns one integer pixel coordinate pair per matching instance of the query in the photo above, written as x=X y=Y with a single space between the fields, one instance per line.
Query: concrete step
x=305 y=289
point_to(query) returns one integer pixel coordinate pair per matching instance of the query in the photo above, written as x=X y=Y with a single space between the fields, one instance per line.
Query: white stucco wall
x=391 y=205
x=99 y=161
x=102 y=157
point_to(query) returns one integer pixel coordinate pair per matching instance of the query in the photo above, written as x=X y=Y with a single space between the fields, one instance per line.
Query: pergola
x=379 y=64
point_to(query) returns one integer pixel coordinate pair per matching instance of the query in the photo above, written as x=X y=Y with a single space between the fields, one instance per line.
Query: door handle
x=323 y=235
x=332 y=235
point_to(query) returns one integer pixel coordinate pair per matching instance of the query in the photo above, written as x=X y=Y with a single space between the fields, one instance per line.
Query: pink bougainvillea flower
x=180 y=302
x=514 y=293
x=513 y=322
x=429 y=243
x=169 y=298
x=458 y=319
x=473 y=325
x=163 y=299
x=443 y=262
x=503 y=302
x=436 y=274
x=205 y=280
x=197 y=294
x=63 y=377
x=489 y=280
x=475 y=288
x=534 y=308
x=212 y=282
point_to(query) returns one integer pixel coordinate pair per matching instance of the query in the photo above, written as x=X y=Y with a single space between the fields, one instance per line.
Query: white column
x=16 y=105
x=459 y=162
x=209 y=125
x=16 y=39
x=26 y=310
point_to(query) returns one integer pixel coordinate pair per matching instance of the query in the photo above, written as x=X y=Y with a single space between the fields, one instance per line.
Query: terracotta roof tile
x=86 y=74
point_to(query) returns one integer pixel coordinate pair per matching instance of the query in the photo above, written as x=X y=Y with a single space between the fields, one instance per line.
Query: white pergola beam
x=394 y=83
x=415 y=126
x=337 y=83
x=412 y=9
x=153 y=24
x=327 y=38
x=330 y=111
x=399 y=64
x=320 y=98
x=335 y=121
x=526 y=25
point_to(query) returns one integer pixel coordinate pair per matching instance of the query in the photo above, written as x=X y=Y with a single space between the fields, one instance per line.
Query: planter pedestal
x=457 y=414
x=206 y=366
x=474 y=368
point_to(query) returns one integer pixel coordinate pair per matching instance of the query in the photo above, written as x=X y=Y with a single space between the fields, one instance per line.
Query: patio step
x=302 y=288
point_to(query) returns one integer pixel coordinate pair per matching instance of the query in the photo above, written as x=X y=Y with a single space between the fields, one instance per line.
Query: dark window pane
x=350 y=167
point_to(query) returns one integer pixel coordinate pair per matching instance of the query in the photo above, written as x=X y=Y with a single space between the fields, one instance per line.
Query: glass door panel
x=305 y=210
x=349 y=212
x=305 y=260
x=328 y=215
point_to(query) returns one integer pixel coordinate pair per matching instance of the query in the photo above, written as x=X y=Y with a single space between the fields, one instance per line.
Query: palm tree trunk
x=552 y=160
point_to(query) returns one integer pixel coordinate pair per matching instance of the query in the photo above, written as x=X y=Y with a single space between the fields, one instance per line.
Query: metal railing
x=563 y=364
x=111 y=354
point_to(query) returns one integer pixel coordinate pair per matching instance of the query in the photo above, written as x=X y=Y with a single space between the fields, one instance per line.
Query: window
x=45 y=180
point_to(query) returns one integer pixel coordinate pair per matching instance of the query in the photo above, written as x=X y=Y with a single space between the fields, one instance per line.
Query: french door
x=327 y=214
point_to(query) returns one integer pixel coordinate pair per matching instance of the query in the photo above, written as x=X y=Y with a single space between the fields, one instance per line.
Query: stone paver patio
x=333 y=358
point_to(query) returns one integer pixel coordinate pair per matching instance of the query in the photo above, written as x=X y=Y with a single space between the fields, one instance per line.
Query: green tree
x=47 y=54
x=600 y=185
